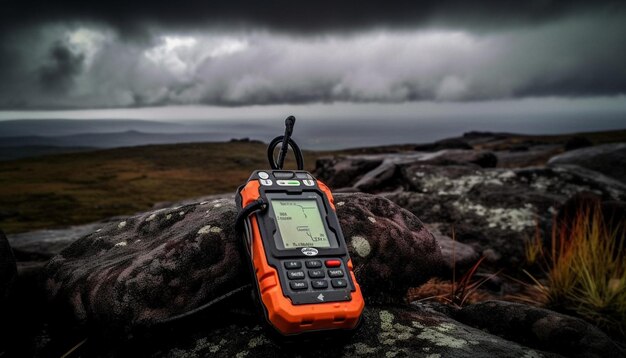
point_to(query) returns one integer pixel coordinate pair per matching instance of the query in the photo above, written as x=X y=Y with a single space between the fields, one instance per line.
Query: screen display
x=300 y=223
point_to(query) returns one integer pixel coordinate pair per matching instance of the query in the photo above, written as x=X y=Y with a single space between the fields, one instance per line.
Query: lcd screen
x=300 y=223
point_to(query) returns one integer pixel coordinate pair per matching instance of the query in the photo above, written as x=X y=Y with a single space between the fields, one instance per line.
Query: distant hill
x=64 y=127
x=31 y=138
x=11 y=153
x=128 y=138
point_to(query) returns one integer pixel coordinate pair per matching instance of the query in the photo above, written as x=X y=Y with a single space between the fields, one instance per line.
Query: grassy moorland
x=60 y=190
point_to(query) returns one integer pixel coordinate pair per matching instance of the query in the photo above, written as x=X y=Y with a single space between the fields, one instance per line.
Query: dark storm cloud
x=298 y=16
x=62 y=67
x=136 y=54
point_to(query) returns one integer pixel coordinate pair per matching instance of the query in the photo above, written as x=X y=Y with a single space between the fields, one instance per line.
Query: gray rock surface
x=540 y=328
x=387 y=331
x=609 y=159
x=377 y=172
x=41 y=245
x=149 y=267
x=8 y=270
x=456 y=255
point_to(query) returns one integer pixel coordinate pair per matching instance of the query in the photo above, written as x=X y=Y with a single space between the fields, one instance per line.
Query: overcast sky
x=366 y=56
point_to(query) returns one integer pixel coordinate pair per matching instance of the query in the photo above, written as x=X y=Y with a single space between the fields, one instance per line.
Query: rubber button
x=290 y=265
x=303 y=176
x=295 y=275
x=335 y=273
x=298 y=285
x=333 y=263
x=316 y=274
x=319 y=284
x=313 y=264
x=263 y=175
x=339 y=282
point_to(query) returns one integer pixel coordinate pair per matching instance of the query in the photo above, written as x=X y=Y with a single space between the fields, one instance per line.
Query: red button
x=333 y=263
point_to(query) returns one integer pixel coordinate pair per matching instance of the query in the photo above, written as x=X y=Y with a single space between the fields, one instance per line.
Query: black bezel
x=305 y=195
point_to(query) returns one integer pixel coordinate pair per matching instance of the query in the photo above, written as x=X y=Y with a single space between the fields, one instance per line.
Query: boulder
x=608 y=159
x=340 y=172
x=540 y=329
x=146 y=268
x=375 y=173
x=456 y=255
x=8 y=270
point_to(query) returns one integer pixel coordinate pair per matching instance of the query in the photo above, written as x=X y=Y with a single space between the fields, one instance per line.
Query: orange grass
x=453 y=293
x=586 y=270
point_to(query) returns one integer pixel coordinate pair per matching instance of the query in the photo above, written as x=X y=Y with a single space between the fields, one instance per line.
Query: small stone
x=121 y=225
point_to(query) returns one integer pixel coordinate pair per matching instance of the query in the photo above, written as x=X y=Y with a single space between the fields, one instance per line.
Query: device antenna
x=289 y=123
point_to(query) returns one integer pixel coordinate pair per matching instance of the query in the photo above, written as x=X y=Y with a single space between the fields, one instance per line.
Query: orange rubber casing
x=287 y=318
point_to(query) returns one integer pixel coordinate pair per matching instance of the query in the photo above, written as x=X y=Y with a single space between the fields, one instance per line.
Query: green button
x=288 y=182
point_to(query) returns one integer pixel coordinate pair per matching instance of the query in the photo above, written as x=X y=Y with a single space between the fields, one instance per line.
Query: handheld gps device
x=297 y=253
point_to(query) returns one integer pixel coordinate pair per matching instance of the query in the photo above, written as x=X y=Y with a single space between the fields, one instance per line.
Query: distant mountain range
x=64 y=127
x=27 y=138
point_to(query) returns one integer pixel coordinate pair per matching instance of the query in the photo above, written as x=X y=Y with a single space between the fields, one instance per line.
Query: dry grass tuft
x=458 y=294
x=586 y=269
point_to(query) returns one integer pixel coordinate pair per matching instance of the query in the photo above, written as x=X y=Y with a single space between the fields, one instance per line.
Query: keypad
x=327 y=276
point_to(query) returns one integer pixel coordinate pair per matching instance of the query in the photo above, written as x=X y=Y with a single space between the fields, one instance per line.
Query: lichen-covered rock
x=378 y=172
x=496 y=210
x=388 y=331
x=540 y=328
x=608 y=159
x=149 y=267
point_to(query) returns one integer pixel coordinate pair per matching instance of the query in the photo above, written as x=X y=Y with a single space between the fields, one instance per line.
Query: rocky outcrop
x=8 y=270
x=491 y=209
x=608 y=159
x=146 y=268
x=379 y=172
x=540 y=328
